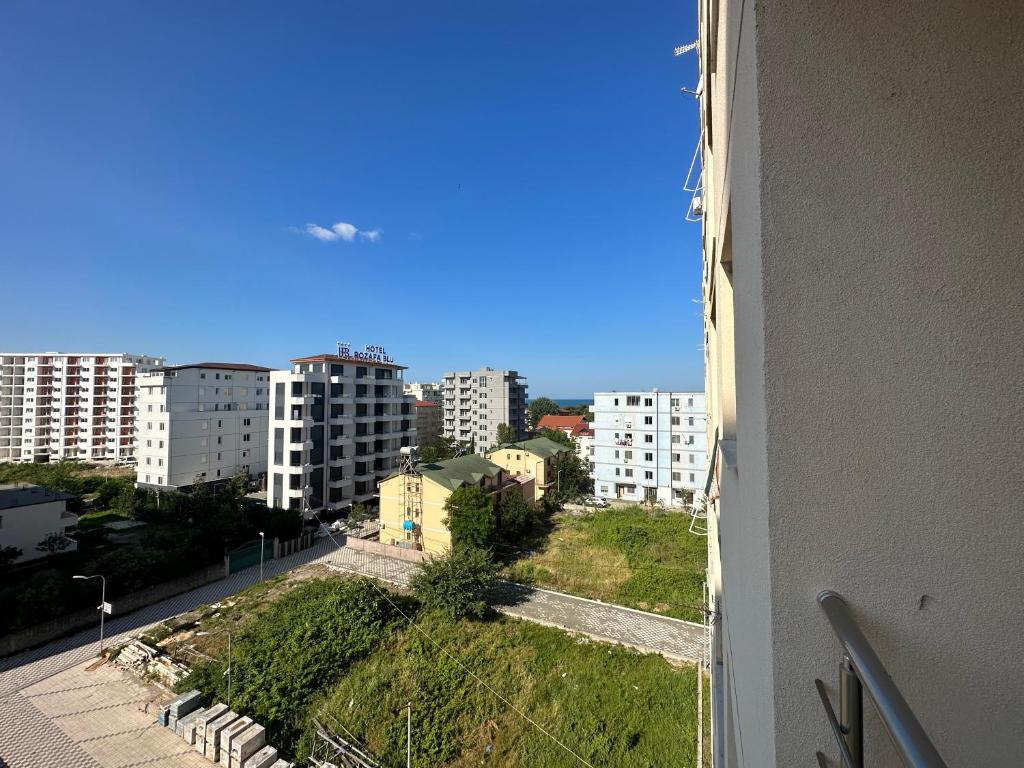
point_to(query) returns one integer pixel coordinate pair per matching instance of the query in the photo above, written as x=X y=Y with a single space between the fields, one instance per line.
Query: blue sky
x=513 y=172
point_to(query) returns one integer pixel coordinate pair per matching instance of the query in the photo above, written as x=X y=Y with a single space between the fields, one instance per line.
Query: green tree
x=127 y=503
x=440 y=449
x=470 y=518
x=573 y=479
x=506 y=434
x=515 y=517
x=7 y=557
x=559 y=437
x=456 y=584
x=541 y=407
x=54 y=542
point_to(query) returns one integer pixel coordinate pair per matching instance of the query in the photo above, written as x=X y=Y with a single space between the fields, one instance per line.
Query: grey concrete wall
x=46 y=631
x=892 y=232
x=377 y=548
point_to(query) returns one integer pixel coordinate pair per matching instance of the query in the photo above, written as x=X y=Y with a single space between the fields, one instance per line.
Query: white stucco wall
x=873 y=188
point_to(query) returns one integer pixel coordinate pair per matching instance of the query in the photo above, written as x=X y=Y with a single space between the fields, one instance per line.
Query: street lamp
x=262 y=539
x=103 y=601
x=228 y=670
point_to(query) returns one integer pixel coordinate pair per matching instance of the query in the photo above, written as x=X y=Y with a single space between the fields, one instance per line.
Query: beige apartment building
x=864 y=315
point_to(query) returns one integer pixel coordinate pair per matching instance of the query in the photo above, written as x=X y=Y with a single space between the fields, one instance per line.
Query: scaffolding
x=412 y=498
x=334 y=750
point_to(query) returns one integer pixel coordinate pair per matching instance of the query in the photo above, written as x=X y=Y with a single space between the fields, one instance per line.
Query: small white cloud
x=320 y=233
x=340 y=231
x=345 y=231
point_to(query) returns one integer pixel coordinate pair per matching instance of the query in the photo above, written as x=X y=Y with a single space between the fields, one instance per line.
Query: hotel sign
x=371 y=353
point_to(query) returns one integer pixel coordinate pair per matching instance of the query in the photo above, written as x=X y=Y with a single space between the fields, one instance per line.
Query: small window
x=648 y=420
x=648 y=475
x=629 y=473
x=691 y=458
x=648 y=438
x=676 y=476
x=648 y=402
x=692 y=477
x=648 y=457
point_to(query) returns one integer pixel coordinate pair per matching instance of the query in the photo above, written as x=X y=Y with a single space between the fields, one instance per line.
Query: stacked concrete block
x=246 y=744
x=181 y=706
x=283 y=764
x=233 y=730
x=264 y=758
x=203 y=722
x=214 y=730
x=186 y=727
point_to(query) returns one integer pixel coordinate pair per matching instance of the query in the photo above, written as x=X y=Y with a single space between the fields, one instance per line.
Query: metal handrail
x=861 y=666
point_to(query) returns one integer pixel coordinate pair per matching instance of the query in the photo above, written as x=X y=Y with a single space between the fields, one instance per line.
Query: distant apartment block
x=69 y=405
x=649 y=447
x=31 y=513
x=337 y=424
x=428 y=391
x=476 y=402
x=201 y=423
x=428 y=422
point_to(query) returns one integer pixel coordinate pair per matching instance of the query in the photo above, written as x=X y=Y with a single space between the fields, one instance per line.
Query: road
x=29 y=739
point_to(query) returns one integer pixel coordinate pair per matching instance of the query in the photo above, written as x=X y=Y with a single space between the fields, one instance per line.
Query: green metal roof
x=544 y=447
x=465 y=470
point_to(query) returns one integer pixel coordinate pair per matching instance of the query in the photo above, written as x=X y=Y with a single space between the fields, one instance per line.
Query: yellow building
x=412 y=505
x=534 y=458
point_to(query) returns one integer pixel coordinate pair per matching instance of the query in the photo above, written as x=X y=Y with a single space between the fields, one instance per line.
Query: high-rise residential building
x=428 y=391
x=69 y=405
x=650 y=446
x=201 y=423
x=428 y=422
x=337 y=424
x=29 y=514
x=476 y=402
x=863 y=318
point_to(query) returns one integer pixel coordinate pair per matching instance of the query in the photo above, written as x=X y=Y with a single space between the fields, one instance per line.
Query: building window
x=629 y=473
x=677 y=457
x=616 y=453
x=676 y=477
x=691 y=421
x=648 y=475
x=648 y=457
x=617 y=472
x=633 y=400
x=675 y=421
x=689 y=401
x=629 y=454
x=648 y=420
x=692 y=477
x=648 y=438
x=616 y=401
x=691 y=458
x=648 y=402
x=202 y=376
x=675 y=438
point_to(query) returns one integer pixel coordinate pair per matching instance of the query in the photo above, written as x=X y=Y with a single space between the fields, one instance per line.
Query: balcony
x=302 y=445
x=342 y=418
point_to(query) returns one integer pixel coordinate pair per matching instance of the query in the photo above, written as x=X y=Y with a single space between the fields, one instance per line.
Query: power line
x=465 y=669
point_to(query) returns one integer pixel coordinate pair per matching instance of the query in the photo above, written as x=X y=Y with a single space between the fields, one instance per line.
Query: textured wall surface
x=892 y=236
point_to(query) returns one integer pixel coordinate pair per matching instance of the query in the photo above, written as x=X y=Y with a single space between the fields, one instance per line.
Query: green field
x=338 y=651
x=632 y=556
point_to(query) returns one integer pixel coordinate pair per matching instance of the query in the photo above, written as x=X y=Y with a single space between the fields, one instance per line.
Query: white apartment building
x=69 y=405
x=427 y=391
x=649 y=447
x=201 y=423
x=30 y=513
x=337 y=425
x=476 y=402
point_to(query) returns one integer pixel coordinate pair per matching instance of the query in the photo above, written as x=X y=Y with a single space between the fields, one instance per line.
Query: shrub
x=456 y=584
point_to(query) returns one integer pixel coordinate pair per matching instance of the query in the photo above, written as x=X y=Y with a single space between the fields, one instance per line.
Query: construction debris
x=146 y=661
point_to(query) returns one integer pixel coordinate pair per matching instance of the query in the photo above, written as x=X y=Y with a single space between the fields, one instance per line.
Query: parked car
x=595 y=501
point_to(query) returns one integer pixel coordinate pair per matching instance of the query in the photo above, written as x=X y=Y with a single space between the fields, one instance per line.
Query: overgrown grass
x=632 y=556
x=340 y=655
x=611 y=706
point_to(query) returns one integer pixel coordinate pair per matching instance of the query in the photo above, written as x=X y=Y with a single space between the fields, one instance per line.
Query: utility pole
x=262 y=540
x=103 y=601
x=408 y=735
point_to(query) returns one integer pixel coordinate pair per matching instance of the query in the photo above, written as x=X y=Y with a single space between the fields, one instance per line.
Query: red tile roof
x=572 y=424
x=426 y=404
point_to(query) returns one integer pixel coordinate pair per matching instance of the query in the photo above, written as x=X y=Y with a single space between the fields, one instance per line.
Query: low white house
x=29 y=514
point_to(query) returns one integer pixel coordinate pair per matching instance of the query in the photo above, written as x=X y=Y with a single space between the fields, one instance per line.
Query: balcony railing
x=859 y=669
